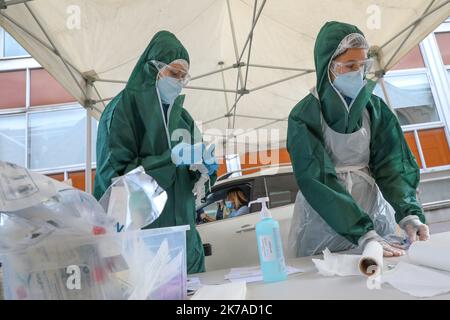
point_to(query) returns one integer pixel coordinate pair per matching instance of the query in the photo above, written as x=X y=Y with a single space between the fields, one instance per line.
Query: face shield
x=351 y=41
x=177 y=69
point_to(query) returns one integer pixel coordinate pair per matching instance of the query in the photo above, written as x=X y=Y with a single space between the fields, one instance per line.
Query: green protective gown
x=132 y=133
x=392 y=164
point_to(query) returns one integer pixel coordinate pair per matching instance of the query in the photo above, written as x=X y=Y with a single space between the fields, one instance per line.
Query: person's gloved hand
x=414 y=227
x=187 y=154
x=389 y=249
x=209 y=159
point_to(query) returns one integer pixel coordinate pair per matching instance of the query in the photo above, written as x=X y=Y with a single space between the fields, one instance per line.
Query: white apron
x=350 y=153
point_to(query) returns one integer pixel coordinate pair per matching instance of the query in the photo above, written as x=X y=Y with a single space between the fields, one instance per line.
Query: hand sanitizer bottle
x=270 y=248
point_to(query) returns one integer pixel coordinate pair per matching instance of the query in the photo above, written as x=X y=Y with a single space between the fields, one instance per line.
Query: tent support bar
x=279 y=68
x=211 y=89
x=279 y=81
x=250 y=38
x=110 y=80
x=233 y=33
x=212 y=120
x=4 y=4
x=227 y=105
x=88 y=171
x=235 y=103
x=409 y=34
x=251 y=30
x=264 y=125
x=414 y=23
x=56 y=51
x=18 y=25
x=215 y=71
x=255 y=117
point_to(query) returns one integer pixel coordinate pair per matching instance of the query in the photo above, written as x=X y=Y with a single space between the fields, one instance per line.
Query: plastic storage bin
x=144 y=264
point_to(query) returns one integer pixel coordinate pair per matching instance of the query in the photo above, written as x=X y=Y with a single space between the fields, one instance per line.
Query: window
x=57 y=138
x=12 y=138
x=12 y=48
x=412 y=60
x=411 y=97
x=443 y=41
x=12 y=89
x=9 y=46
x=282 y=189
x=45 y=90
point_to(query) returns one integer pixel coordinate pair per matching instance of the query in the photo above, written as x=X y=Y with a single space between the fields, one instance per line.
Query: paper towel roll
x=432 y=253
x=371 y=261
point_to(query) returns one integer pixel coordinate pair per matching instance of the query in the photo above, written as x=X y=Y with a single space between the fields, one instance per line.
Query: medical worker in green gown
x=356 y=175
x=140 y=126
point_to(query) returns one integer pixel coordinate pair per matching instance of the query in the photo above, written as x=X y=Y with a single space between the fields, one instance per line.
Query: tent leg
x=88 y=171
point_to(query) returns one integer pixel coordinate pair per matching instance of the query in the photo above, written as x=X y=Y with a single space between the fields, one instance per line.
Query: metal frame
x=241 y=81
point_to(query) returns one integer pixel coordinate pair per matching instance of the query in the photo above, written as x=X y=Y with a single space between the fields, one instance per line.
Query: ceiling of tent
x=110 y=35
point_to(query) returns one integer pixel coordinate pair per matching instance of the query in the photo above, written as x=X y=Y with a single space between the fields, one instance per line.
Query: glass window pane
x=411 y=97
x=412 y=60
x=58 y=138
x=443 y=40
x=12 y=48
x=12 y=138
x=282 y=190
x=435 y=147
x=45 y=90
x=12 y=89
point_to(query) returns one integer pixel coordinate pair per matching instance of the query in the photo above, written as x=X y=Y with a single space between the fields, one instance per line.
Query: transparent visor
x=177 y=69
x=349 y=66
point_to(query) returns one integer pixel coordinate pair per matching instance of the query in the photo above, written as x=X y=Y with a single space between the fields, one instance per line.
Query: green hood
x=164 y=47
x=334 y=109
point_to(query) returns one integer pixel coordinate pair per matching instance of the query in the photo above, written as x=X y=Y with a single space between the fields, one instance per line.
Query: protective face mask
x=229 y=204
x=169 y=88
x=350 y=83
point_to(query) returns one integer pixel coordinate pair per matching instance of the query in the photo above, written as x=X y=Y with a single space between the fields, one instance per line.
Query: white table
x=311 y=285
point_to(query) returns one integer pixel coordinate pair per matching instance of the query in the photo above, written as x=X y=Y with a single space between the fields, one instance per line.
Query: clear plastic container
x=144 y=264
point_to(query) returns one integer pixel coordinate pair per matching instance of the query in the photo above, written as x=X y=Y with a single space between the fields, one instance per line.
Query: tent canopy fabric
x=251 y=60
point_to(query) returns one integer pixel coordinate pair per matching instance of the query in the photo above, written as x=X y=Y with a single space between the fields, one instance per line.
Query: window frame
x=3 y=47
x=28 y=64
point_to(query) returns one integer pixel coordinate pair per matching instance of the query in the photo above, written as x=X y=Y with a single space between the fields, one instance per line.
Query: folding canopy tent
x=251 y=60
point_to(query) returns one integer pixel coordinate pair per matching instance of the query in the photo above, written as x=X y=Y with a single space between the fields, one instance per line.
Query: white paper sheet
x=434 y=252
x=226 y=291
x=417 y=281
x=253 y=274
x=338 y=264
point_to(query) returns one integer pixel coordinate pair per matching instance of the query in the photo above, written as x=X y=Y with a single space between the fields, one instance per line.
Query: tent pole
x=211 y=89
x=215 y=71
x=255 y=117
x=386 y=95
x=264 y=125
x=227 y=105
x=251 y=30
x=5 y=4
x=14 y=22
x=233 y=34
x=279 y=81
x=212 y=120
x=407 y=37
x=250 y=37
x=88 y=171
x=56 y=51
x=414 y=23
x=279 y=68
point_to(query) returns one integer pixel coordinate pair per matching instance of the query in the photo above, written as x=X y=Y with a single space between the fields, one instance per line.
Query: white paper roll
x=434 y=252
x=371 y=261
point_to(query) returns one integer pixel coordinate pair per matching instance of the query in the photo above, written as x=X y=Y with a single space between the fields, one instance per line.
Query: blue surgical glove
x=210 y=161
